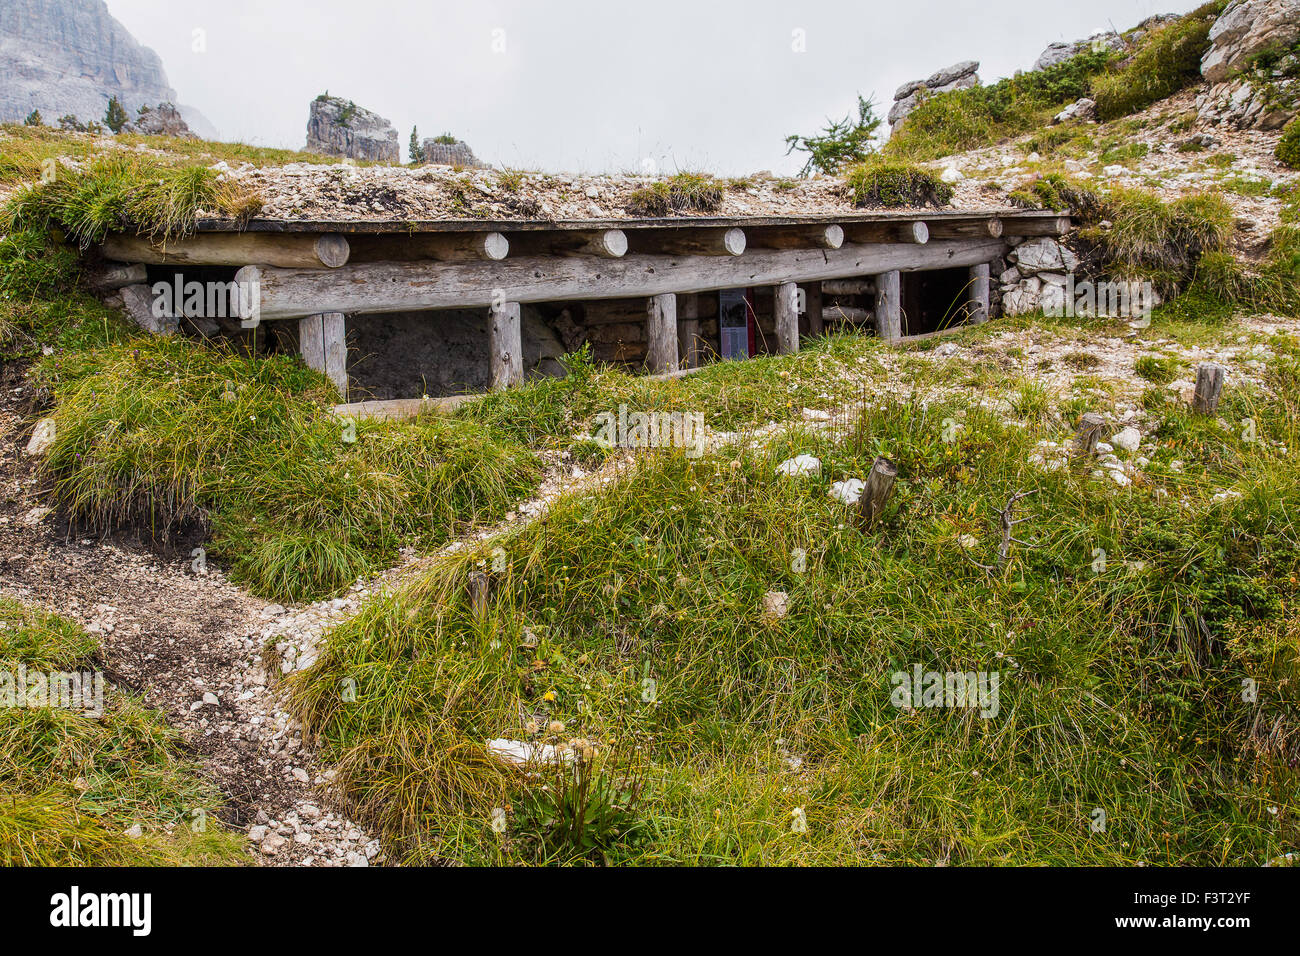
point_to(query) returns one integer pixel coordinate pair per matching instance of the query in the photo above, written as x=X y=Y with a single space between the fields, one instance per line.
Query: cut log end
x=495 y=246
x=333 y=250
x=733 y=242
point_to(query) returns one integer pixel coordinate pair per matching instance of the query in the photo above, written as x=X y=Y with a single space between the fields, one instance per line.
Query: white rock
x=1128 y=439
x=848 y=492
x=776 y=605
x=800 y=466
x=42 y=437
x=951 y=174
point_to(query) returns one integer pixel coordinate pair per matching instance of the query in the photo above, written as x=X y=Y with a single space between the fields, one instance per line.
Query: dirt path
x=190 y=644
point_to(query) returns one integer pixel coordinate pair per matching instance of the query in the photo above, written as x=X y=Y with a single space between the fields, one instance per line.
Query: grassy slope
x=72 y=785
x=1108 y=699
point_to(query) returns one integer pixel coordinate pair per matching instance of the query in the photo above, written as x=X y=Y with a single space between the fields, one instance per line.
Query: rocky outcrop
x=959 y=76
x=162 y=120
x=71 y=58
x=1248 y=103
x=338 y=127
x=455 y=153
x=1255 y=83
x=1058 y=53
x=1247 y=28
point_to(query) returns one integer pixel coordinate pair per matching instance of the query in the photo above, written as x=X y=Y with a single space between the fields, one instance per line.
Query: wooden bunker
x=659 y=294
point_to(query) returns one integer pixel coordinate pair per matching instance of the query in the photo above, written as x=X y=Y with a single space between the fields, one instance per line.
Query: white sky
x=592 y=85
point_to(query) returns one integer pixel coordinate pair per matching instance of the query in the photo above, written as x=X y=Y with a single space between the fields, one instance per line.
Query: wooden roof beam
x=416 y=286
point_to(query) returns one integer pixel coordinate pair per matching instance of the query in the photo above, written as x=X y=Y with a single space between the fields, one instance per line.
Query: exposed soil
x=189 y=643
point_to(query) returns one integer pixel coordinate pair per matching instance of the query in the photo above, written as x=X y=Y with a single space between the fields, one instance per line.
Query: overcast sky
x=591 y=85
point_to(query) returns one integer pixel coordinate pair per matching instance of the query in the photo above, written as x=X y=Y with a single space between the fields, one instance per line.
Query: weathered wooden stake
x=661 y=333
x=880 y=484
x=478 y=593
x=787 y=318
x=322 y=340
x=889 y=312
x=1088 y=433
x=979 y=293
x=688 y=331
x=1209 y=386
x=506 y=344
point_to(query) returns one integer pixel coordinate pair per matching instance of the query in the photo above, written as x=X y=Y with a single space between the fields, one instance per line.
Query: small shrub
x=1159 y=369
x=1288 y=147
x=840 y=143
x=891 y=184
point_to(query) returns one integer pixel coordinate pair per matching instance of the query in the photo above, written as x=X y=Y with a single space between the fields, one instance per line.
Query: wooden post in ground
x=688 y=331
x=661 y=333
x=1209 y=386
x=323 y=342
x=506 y=343
x=889 y=306
x=1088 y=434
x=979 y=293
x=880 y=483
x=813 y=304
x=478 y=594
x=787 y=318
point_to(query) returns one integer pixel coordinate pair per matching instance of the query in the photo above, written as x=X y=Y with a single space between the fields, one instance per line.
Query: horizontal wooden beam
x=414 y=286
x=848 y=287
x=605 y=243
x=916 y=233
x=796 y=237
x=1036 y=227
x=400 y=226
x=690 y=242
x=330 y=251
x=970 y=229
x=443 y=247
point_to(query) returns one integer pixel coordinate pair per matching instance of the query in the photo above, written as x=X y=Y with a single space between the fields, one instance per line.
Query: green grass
x=74 y=784
x=633 y=618
x=960 y=120
x=167 y=434
x=126 y=192
x=879 y=182
x=683 y=192
x=1288 y=147
x=1169 y=60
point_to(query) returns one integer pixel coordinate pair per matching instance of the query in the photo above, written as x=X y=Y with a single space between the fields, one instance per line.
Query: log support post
x=688 y=331
x=506 y=345
x=323 y=342
x=889 y=306
x=813 y=305
x=979 y=293
x=661 y=333
x=787 y=318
